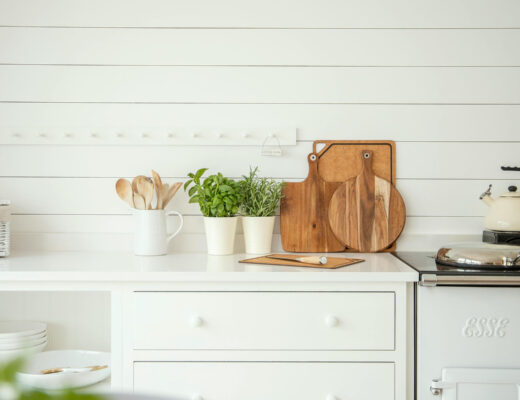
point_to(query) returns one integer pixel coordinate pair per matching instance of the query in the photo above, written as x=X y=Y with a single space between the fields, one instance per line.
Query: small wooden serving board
x=332 y=262
x=367 y=213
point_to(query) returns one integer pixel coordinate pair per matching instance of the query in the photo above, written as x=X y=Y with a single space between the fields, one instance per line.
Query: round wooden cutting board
x=367 y=213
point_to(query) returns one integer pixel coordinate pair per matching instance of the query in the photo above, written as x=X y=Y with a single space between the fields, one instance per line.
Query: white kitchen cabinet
x=264 y=320
x=261 y=380
x=189 y=325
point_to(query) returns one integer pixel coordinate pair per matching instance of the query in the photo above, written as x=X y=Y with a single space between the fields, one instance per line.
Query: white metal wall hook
x=271 y=146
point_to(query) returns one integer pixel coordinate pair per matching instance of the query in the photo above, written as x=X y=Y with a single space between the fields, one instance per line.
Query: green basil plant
x=216 y=195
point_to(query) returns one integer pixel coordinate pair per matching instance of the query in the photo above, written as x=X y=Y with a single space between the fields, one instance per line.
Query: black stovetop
x=424 y=263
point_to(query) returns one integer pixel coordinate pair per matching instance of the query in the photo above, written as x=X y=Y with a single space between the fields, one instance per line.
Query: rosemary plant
x=260 y=196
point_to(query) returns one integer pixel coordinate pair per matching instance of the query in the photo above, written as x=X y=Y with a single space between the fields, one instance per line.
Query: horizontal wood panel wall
x=441 y=78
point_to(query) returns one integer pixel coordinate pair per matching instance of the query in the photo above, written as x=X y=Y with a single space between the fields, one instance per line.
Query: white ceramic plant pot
x=258 y=234
x=220 y=235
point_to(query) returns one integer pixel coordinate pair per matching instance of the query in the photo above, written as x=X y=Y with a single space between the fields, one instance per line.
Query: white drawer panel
x=264 y=320
x=262 y=381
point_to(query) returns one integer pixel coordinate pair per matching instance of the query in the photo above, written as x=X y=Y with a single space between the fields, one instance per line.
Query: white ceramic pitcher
x=150 y=236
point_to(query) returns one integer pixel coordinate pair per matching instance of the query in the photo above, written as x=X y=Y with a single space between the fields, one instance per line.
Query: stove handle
x=430 y=280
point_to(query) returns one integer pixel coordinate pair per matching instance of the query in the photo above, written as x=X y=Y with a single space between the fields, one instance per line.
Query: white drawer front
x=264 y=320
x=262 y=381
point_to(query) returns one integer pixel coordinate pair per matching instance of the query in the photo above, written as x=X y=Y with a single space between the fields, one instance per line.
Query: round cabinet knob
x=197 y=397
x=331 y=321
x=512 y=188
x=196 y=321
x=332 y=397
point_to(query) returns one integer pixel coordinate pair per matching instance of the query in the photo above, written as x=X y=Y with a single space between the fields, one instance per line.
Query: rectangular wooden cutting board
x=338 y=160
x=332 y=262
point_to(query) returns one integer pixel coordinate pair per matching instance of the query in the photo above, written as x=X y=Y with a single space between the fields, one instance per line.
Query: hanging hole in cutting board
x=320 y=147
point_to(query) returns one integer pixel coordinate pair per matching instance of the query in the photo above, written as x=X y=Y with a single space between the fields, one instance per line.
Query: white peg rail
x=166 y=136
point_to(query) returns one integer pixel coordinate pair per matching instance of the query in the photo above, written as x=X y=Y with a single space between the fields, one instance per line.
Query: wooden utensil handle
x=317 y=260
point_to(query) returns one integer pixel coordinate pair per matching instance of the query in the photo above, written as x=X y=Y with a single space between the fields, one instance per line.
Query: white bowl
x=6 y=355
x=15 y=329
x=23 y=344
x=23 y=339
x=31 y=375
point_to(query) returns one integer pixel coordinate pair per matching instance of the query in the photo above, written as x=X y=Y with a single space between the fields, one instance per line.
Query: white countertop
x=189 y=267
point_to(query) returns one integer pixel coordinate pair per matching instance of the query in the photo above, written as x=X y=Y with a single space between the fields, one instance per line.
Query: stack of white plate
x=21 y=338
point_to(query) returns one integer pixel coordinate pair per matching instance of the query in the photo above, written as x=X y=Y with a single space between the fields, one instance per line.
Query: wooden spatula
x=367 y=213
x=171 y=192
x=157 y=182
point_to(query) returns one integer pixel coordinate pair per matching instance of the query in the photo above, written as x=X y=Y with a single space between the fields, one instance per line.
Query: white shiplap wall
x=441 y=78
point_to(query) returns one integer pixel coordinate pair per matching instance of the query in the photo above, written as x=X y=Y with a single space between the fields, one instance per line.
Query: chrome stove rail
x=431 y=280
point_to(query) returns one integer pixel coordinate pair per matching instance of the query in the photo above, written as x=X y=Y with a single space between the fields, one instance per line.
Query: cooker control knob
x=512 y=188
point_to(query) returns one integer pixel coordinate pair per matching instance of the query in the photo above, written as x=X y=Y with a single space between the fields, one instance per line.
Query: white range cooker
x=467 y=330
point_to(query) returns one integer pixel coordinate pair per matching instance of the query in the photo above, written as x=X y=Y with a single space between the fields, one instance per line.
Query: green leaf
x=192 y=191
x=8 y=371
x=194 y=199
x=188 y=183
x=225 y=188
x=35 y=396
x=200 y=172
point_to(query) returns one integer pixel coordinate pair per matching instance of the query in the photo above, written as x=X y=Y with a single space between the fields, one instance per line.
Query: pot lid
x=512 y=192
x=480 y=256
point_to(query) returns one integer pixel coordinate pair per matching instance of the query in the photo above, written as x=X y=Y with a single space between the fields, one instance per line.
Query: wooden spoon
x=171 y=192
x=124 y=191
x=143 y=186
x=139 y=202
x=158 y=189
